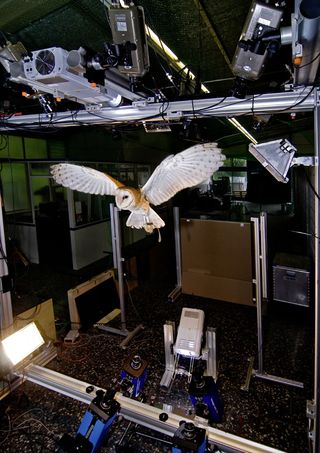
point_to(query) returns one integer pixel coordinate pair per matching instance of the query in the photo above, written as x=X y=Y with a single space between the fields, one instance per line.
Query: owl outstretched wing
x=185 y=169
x=84 y=179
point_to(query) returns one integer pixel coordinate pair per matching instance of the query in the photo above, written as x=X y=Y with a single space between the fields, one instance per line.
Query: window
x=235 y=169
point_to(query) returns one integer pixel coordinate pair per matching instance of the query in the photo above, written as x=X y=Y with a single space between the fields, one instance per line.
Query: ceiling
x=202 y=33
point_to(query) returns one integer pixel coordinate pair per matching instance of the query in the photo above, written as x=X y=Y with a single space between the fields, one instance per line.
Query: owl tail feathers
x=148 y=221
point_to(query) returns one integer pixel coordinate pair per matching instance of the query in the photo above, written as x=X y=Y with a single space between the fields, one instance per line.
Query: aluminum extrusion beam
x=41 y=359
x=149 y=416
x=60 y=383
x=138 y=412
x=299 y=100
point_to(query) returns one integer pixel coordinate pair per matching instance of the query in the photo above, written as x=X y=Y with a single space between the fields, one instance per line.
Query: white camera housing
x=189 y=337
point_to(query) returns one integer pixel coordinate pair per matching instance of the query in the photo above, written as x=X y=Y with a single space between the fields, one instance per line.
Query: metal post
x=118 y=244
x=113 y=236
x=176 y=219
x=117 y=262
x=316 y=396
x=264 y=254
x=175 y=293
x=257 y=282
x=6 y=317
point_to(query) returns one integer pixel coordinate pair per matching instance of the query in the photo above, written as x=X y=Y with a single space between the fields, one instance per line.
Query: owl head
x=125 y=198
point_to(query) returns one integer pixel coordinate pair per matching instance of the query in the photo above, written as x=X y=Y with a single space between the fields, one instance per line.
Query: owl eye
x=125 y=197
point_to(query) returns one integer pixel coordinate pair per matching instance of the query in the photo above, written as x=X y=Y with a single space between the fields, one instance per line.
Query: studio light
x=22 y=343
x=275 y=156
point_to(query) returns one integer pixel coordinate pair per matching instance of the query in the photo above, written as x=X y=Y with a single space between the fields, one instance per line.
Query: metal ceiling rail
x=300 y=100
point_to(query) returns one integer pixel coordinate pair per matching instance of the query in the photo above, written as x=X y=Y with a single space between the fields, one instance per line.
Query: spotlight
x=22 y=343
x=275 y=156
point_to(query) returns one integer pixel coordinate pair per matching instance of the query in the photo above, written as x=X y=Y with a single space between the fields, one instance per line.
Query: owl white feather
x=176 y=172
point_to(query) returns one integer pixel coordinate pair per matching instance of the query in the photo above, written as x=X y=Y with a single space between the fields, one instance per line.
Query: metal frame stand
x=209 y=354
x=260 y=373
x=117 y=263
x=176 y=292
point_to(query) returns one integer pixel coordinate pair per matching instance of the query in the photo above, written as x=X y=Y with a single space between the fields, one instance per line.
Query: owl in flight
x=176 y=172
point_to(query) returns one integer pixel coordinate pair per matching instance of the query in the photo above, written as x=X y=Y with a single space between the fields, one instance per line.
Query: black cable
x=310 y=62
x=212 y=107
x=298 y=103
x=254 y=97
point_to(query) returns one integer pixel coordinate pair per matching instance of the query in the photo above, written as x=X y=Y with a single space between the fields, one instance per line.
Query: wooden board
x=216 y=259
x=75 y=293
x=43 y=316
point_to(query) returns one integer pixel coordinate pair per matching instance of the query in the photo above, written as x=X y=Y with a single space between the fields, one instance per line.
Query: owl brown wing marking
x=84 y=179
x=185 y=169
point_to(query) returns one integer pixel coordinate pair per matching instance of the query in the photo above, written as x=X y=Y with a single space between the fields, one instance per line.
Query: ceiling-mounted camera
x=128 y=51
x=260 y=39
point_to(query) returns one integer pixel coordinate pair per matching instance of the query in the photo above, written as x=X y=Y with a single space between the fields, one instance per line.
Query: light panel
x=22 y=343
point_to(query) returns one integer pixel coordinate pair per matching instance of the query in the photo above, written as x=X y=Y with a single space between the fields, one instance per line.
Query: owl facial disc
x=124 y=199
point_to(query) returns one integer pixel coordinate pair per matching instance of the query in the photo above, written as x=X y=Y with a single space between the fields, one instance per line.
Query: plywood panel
x=216 y=259
x=43 y=316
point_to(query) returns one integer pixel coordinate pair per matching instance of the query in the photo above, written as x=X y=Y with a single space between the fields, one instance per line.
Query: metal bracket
x=142 y=103
x=169 y=335
x=311 y=415
x=306 y=161
x=93 y=107
x=174 y=115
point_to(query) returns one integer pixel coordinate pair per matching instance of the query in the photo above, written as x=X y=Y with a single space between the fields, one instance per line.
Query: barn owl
x=176 y=172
